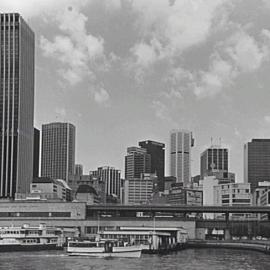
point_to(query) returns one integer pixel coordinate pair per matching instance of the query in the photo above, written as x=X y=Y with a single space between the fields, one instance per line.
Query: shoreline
x=248 y=245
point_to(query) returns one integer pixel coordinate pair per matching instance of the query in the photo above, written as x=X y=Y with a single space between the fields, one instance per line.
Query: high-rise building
x=58 y=150
x=157 y=152
x=257 y=162
x=181 y=142
x=78 y=169
x=214 y=159
x=111 y=177
x=17 y=57
x=137 y=161
x=36 y=153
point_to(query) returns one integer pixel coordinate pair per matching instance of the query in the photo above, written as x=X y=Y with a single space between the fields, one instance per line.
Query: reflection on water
x=192 y=259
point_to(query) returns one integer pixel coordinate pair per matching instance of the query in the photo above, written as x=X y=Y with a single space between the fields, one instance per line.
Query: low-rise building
x=168 y=182
x=50 y=189
x=139 y=190
x=261 y=196
x=87 y=194
x=184 y=196
x=233 y=194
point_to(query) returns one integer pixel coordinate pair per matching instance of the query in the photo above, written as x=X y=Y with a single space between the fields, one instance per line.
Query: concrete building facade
x=58 y=150
x=111 y=177
x=139 y=190
x=181 y=142
x=184 y=196
x=50 y=189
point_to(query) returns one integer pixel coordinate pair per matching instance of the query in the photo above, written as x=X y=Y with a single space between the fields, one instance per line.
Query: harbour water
x=191 y=259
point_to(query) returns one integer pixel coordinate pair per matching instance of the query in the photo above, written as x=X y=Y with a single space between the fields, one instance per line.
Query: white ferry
x=30 y=238
x=103 y=249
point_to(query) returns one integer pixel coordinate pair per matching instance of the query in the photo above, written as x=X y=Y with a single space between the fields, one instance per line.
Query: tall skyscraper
x=17 y=57
x=257 y=162
x=36 y=153
x=181 y=142
x=58 y=150
x=111 y=177
x=214 y=159
x=137 y=161
x=157 y=152
x=78 y=169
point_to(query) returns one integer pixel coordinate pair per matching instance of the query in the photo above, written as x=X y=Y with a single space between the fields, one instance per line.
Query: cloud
x=61 y=112
x=76 y=50
x=101 y=96
x=145 y=54
x=211 y=82
x=162 y=112
x=32 y=8
x=169 y=28
x=267 y=119
x=177 y=80
x=246 y=53
x=240 y=53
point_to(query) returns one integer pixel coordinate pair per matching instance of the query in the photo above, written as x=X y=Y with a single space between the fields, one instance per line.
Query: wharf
x=262 y=246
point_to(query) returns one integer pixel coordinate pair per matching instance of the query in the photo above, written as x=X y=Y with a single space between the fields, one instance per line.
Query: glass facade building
x=257 y=161
x=36 y=153
x=137 y=161
x=214 y=159
x=17 y=56
x=157 y=152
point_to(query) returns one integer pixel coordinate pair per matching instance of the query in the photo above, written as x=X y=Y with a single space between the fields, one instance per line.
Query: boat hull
x=17 y=247
x=127 y=251
x=125 y=254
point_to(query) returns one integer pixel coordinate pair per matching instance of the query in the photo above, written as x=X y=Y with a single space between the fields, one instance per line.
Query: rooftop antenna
x=219 y=142
x=211 y=142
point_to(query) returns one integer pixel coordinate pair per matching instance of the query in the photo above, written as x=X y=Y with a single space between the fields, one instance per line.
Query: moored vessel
x=104 y=248
x=26 y=238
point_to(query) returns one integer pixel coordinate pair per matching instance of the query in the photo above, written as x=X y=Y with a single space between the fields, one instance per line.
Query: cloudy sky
x=128 y=70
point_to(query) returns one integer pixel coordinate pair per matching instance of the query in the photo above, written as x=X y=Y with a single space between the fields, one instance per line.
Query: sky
x=123 y=71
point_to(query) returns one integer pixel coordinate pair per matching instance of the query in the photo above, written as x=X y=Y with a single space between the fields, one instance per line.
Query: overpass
x=185 y=209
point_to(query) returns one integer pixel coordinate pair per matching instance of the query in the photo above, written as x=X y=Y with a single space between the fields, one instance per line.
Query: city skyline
x=159 y=79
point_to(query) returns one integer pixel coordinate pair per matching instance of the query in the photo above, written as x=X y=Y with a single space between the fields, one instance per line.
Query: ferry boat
x=104 y=248
x=27 y=238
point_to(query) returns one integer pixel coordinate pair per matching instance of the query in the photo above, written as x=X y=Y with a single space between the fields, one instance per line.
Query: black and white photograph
x=134 y=134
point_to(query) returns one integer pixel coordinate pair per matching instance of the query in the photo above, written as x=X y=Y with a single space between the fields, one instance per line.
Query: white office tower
x=181 y=142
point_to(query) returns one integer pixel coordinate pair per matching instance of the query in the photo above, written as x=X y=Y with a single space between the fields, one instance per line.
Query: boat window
x=82 y=244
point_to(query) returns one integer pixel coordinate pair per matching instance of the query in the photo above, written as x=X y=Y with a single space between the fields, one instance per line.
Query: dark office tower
x=78 y=169
x=17 y=50
x=257 y=161
x=58 y=150
x=214 y=159
x=137 y=161
x=111 y=177
x=36 y=153
x=157 y=153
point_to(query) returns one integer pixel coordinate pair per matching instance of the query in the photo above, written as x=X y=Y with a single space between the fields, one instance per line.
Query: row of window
x=35 y=214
